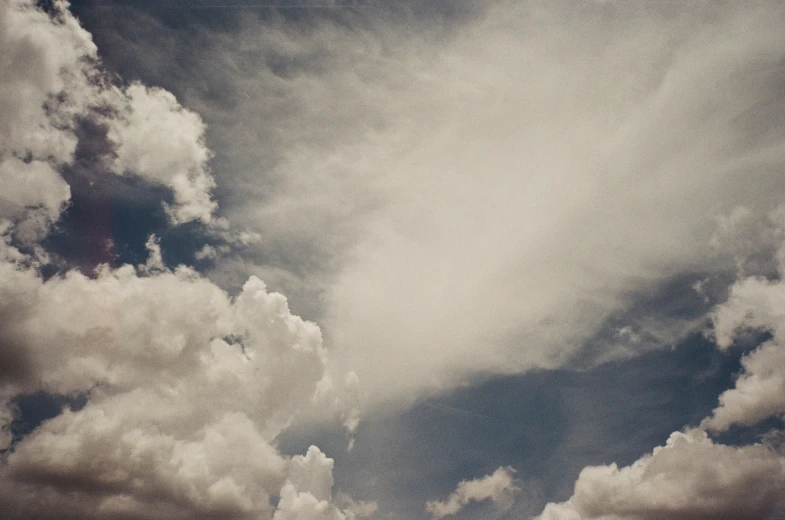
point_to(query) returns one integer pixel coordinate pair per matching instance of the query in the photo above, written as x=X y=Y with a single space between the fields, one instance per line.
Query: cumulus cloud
x=161 y=141
x=183 y=389
x=45 y=72
x=52 y=80
x=498 y=487
x=46 y=66
x=754 y=303
x=188 y=389
x=355 y=509
x=307 y=492
x=689 y=477
x=35 y=202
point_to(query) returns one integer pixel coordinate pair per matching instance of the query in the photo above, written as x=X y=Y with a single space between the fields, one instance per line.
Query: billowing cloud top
x=177 y=391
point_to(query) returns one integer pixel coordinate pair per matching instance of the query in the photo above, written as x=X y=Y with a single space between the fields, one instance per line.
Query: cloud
x=498 y=487
x=161 y=141
x=307 y=492
x=464 y=202
x=182 y=389
x=480 y=197
x=754 y=303
x=689 y=477
x=355 y=508
x=52 y=80
x=692 y=476
x=42 y=60
x=187 y=389
x=43 y=189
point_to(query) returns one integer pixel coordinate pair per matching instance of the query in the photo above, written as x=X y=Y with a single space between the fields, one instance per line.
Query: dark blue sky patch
x=33 y=409
x=621 y=410
x=740 y=435
x=547 y=425
x=674 y=300
x=110 y=217
x=108 y=221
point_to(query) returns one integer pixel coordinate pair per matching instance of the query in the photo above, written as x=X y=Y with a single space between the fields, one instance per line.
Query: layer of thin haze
x=484 y=197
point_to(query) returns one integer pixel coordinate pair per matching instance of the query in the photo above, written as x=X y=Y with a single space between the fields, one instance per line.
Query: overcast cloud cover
x=450 y=193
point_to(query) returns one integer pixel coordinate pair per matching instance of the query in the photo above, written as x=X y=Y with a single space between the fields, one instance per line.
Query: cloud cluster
x=182 y=389
x=499 y=487
x=689 y=477
x=42 y=60
x=51 y=81
x=187 y=390
x=306 y=495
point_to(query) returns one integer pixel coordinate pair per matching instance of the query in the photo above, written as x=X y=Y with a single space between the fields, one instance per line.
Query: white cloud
x=186 y=388
x=689 y=477
x=163 y=142
x=354 y=509
x=41 y=59
x=499 y=487
x=481 y=200
x=51 y=78
x=307 y=494
x=754 y=303
x=759 y=392
x=33 y=195
x=44 y=70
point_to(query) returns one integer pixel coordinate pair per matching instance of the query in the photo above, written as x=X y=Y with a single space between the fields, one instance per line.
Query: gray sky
x=495 y=260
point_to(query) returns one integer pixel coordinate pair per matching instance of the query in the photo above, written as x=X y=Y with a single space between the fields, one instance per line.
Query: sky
x=426 y=259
